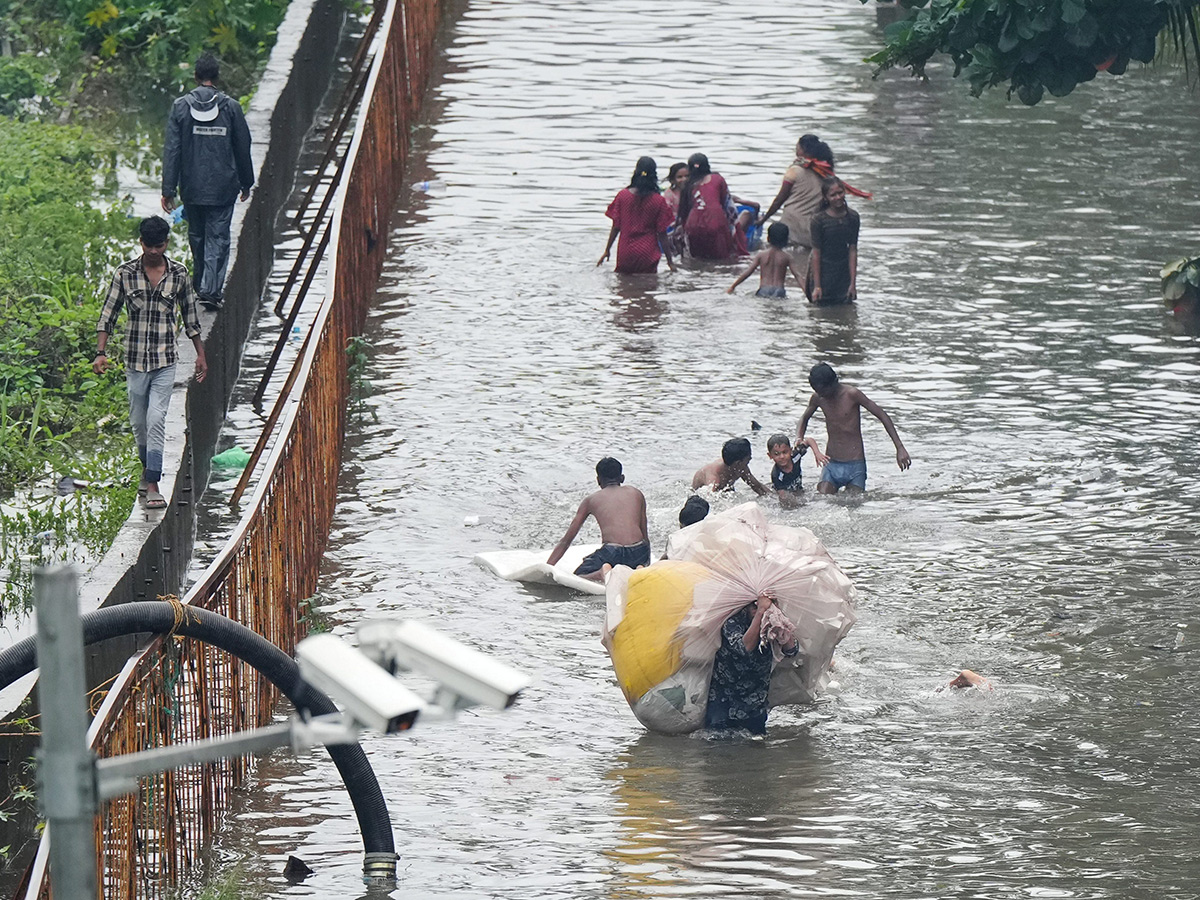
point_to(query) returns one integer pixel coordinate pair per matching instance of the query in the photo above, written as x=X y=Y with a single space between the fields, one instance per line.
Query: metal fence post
x=66 y=772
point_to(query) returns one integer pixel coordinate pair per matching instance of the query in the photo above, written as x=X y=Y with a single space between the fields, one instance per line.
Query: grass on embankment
x=63 y=229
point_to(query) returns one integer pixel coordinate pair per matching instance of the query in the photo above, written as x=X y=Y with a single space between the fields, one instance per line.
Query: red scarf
x=825 y=170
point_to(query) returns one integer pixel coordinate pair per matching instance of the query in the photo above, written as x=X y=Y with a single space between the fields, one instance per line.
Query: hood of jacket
x=203 y=103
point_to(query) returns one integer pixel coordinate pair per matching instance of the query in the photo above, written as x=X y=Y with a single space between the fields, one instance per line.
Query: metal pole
x=66 y=772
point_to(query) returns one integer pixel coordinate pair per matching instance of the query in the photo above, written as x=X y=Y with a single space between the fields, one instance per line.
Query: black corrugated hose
x=157 y=617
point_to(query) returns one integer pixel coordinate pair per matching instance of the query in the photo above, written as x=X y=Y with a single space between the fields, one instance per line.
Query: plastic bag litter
x=662 y=625
x=233 y=459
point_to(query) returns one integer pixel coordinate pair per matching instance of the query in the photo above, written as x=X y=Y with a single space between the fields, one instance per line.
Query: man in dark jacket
x=206 y=155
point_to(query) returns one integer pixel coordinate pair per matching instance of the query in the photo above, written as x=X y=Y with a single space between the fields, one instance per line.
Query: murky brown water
x=1045 y=534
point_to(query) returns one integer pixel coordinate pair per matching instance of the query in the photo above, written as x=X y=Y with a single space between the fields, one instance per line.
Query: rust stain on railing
x=181 y=690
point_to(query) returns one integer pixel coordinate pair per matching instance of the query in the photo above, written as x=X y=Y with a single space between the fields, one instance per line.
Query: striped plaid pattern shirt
x=153 y=313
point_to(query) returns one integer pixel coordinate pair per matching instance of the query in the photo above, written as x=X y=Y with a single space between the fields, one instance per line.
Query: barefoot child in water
x=833 y=269
x=785 y=474
x=841 y=403
x=620 y=511
x=775 y=263
x=733 y=464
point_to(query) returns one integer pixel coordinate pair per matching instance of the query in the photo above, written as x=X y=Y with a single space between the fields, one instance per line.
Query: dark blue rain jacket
x=206 y=153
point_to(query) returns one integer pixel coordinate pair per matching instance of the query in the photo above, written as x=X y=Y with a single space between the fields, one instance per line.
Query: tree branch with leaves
x=1031 y=47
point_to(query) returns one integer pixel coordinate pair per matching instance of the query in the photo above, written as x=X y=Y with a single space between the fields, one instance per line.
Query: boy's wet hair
x=154 y=231
x=822 y=377
x=207 y=68
x=736 y=450
x=694 y=510
x=777 y=235
x=609 y=469
x=778 y=440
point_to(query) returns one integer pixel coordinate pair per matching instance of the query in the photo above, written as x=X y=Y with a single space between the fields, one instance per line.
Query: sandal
x=155 y=500
x=143 y=486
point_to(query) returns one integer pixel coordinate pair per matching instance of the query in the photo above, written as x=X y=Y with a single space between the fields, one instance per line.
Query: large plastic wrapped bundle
x=663 y=623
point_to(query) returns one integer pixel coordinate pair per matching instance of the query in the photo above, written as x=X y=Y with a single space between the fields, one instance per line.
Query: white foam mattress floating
x=662 y=625
x=530 y=567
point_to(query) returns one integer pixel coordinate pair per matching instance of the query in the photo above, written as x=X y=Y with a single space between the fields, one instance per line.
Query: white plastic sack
x=740 y=554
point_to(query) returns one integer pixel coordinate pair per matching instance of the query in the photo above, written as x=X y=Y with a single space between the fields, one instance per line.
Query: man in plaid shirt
x=155 y=290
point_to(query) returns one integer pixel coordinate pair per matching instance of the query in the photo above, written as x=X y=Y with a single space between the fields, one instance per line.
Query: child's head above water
x=694 y=510
x=779 y=448
x=608 y=471
x=777 y=235
x=822 y=378
x=736 y=450
x=673 y=177
x=831 y=189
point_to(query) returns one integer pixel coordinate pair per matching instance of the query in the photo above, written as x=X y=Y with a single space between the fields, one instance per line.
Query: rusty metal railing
x=178 y=689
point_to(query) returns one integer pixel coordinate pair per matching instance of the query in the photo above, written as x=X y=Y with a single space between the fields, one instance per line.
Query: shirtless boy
x=841 y=404
x=733 y=464
x=775 y=263
x=620 y=511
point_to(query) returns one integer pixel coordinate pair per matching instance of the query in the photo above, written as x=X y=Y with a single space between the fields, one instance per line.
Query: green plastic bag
x=232 y=459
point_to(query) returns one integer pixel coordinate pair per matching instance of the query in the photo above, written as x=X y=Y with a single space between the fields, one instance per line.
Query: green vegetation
x=1032 y=47
x=226 y=887
x=313 y=618
x=358 y=362
x=71 y=49
x=63 y=229
x=56 y=417
x=1036 y=46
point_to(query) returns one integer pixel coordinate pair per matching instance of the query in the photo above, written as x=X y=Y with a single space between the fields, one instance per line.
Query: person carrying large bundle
x=741 y=616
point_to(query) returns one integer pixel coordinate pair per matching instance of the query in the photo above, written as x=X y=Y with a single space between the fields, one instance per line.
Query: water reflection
x=639 y=301
x=715 y=812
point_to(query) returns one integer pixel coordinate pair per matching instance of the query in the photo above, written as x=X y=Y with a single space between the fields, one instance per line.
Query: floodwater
x=1045 y=535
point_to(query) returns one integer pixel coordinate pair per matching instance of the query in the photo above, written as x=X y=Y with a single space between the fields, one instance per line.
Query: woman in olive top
x=799 y=196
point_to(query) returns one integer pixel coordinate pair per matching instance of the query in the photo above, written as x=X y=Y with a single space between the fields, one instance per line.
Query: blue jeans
x=149 y=397
x=841 y=474
x=208 y=235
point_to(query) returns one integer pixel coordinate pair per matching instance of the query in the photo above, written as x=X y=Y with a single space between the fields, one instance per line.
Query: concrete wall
x=151 y=554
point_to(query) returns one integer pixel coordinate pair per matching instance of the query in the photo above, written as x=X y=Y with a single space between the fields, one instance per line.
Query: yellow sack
x=662 y=626
x=644 y=647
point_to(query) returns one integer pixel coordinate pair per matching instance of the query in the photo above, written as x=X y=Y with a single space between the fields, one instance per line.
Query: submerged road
x=1045 y=535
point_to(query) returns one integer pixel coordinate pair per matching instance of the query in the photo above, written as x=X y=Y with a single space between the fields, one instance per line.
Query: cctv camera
x=372 y=698
x=467 y=675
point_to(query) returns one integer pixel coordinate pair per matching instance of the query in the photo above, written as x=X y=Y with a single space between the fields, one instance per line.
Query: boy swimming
x=733 y=464
x=840 y=403
x=785 y=474
x=620 y=511
x=775 y=263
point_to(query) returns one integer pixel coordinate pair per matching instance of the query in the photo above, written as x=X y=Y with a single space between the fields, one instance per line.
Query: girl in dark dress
x=833 y=270
x=741 y=676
